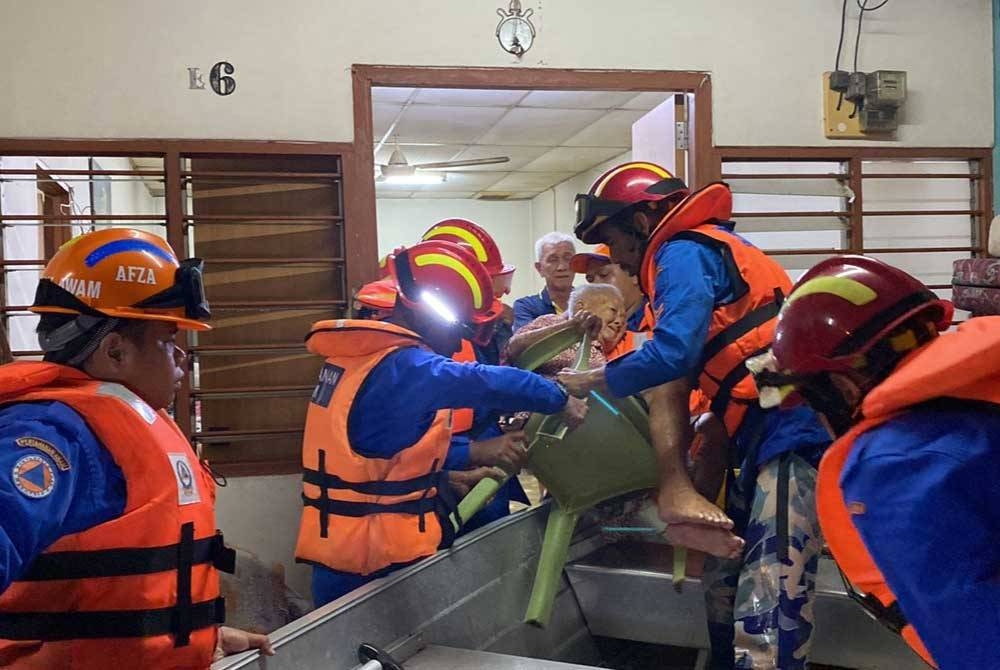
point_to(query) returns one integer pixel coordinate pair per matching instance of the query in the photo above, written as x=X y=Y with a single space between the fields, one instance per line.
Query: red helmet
x=618 y=189
x=463 y=231
x=447 y=281
x=842 y=307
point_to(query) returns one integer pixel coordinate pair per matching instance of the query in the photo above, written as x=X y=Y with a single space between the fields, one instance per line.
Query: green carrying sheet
x=608 y=456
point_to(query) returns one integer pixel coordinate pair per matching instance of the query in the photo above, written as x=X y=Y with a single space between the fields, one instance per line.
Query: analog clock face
x=515 y=35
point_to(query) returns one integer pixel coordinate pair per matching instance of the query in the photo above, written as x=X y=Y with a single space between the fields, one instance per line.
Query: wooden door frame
x=52 y=237
x=361 y=193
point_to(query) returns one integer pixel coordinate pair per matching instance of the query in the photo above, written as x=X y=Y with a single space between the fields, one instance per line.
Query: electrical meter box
x=885 y=89
x=879 y=119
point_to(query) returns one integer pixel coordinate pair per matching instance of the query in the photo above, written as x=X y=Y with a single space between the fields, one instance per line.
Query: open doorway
x=511 y=160
x=557 y=130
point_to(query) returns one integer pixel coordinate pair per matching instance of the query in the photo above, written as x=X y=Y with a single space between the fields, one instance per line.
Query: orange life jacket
x=648 y=323
x=462 y=419
x=963 y=365
x=629 y=343
x=741 y=328
x=363 y=514
x=142 y=590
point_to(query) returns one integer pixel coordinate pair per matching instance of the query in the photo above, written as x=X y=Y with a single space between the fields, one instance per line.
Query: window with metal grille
x=270 y=227
x=916 y=209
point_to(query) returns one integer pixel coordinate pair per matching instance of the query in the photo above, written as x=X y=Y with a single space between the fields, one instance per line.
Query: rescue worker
x=375 y=494
x=715 y=297
x=478 y=440
x=108 y=547
x=376 y=301
x=907 y=494
x=553 y=253
x=709 y=451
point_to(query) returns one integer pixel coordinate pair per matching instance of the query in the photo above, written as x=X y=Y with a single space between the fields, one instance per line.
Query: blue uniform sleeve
x=524 y=311
x=690 y=280
x=458 y=453
x=927 y=485
x=397 y=402
x=55 y=479
x=635 y=321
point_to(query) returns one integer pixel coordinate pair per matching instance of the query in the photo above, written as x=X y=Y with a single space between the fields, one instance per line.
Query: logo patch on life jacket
x=46 y=448
x=329 y=377
x=187 y=487
x=856 y=508
x=34 y=477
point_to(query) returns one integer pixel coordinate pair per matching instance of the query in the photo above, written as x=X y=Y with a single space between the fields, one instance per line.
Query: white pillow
x=994 y=239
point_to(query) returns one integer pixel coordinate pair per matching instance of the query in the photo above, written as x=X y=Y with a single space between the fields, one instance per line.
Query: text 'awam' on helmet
x=446 y=281
x=482 y=244
x=127 y=274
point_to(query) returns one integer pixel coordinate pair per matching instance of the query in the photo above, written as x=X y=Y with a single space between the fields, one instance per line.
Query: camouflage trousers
x=760 y=607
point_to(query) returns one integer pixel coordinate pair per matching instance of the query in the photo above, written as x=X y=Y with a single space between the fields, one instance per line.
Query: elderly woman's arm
x=535 y=330
x=582 y=321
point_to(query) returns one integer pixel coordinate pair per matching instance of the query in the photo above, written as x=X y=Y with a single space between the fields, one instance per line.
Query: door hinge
x=681 y=139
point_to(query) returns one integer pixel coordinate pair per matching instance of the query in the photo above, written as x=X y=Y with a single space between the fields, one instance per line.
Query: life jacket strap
x=128 y=561
x=725 y=393
x=751 y=320
x=57 y=626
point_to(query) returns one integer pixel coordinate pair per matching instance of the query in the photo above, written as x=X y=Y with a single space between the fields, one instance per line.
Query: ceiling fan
x=398 y=167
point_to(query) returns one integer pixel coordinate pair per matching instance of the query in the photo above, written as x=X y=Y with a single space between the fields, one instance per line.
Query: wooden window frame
x=171 y=151
x=981 y=209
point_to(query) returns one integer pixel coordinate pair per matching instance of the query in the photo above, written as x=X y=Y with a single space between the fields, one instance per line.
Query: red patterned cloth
x=976 y=285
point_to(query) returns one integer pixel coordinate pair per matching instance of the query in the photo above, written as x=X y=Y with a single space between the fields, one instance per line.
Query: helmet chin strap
x=55 y=343
x=824 y=397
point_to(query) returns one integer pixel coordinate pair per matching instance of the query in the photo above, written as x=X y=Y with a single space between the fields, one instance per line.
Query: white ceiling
x=549 y=136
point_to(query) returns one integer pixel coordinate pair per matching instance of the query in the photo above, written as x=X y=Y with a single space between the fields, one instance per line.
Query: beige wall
x=402 y=221
x=261 y=515
x=129 y=58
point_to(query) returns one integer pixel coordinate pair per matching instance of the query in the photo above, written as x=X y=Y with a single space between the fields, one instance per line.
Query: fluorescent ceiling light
x=415 y=179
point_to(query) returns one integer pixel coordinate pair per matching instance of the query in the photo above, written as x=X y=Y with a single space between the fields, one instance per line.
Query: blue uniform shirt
x=87 y=487
x=530 y=307
x=634 y=322
x=929 y=483
x=691 y=279
x=397 y=402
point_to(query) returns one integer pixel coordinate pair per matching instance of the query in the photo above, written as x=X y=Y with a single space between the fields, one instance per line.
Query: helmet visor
x=591 y=211
x=188 y=291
